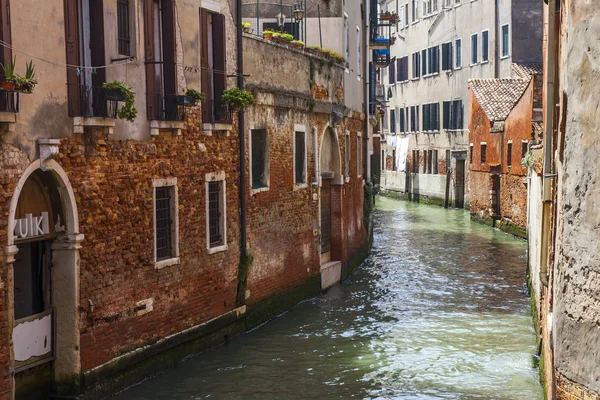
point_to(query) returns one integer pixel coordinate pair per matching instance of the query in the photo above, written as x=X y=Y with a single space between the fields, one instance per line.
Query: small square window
x=483 y=153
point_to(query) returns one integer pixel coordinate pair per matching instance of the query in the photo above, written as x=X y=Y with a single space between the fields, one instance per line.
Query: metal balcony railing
x=99 y=102
x=381 y=58
x=217 y=112
x=9 y=101
x=168 y=107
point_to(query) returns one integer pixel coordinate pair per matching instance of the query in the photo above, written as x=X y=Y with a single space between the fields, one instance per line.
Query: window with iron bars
x=215 y=213
x=163 y=209
x=259 y=158
x=124 y=27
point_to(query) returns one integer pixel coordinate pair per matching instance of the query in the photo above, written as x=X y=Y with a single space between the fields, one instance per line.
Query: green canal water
x=439 y=311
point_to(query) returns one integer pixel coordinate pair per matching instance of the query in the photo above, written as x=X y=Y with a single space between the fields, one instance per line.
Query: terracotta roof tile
x=526 y=70
x=497 y=97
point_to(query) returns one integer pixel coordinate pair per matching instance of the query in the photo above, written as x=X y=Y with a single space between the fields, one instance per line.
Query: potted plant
x=268 y=34
x=246 y=27
x=27 y=83
x=121 y=92
x=198 y=96
x=297 y=44
x=9 y=84
x=287 y=37
x=237 y=98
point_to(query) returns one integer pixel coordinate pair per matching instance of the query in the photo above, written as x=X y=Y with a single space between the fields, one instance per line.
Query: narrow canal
x=439 y=311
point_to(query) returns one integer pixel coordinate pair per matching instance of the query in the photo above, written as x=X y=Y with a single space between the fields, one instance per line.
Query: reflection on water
x=439 y=311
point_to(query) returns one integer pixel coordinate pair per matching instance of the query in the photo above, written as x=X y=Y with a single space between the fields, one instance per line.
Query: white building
x=440 y=45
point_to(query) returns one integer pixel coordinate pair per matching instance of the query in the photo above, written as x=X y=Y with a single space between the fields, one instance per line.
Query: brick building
x=504 y=116
x=122 y=240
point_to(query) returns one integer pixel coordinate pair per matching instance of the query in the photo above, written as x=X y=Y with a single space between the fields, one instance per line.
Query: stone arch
x=63 y=252
x=330 y=156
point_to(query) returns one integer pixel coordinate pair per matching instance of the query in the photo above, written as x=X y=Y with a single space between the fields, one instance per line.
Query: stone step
x=331 y=274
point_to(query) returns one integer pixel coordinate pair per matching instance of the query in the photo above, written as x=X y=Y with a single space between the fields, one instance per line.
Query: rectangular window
x=430 y=162
x=509 y=154
x=424 y=161
x=403 y=69
x=393 y=121
x=523 y=149
x=401 y=21
x=414 y=118
x=433 y=60
x=483 y=152
x=346 y=38
x=358 y=56
x=415 y=10
x=505 y=41
x=359 y=157
x=431 y=117
x=447 y=57
x=474 y=56
x=166 y=236
x=392 y=73
x=424 y=62
x=347 y=154
x=484 y=46
x=260 y=151
x=215 y=213
x=416 y=60
x=453 y=115
x=402 y=118
x=300 y=157
x=458 y=53
x=471 y=154
x=213 y=63
x=406 y=15
x=124 y=27
x=435 y=162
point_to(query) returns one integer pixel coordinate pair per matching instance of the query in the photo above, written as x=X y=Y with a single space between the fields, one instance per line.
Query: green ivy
x=195 y=94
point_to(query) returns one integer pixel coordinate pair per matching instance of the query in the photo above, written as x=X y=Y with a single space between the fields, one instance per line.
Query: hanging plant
x=127 y=111
x=198 y=96
x=237 y=98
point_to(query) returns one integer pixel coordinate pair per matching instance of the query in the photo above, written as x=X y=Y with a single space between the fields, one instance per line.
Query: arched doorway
x=331 y=176
x=43 y=258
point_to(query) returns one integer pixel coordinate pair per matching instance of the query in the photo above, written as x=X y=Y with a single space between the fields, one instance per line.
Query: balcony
x=96 y=107
x=381 y=58
x=217 y=116
x=168 y=107
x=380 y=37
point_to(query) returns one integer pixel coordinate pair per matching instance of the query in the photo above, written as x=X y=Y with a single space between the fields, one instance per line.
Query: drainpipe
x=241 y=292
x=366 y=82
x=497 y=34
x=551 y=55
x=317 y=158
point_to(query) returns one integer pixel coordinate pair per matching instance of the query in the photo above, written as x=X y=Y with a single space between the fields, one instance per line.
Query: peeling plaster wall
x=577 y=261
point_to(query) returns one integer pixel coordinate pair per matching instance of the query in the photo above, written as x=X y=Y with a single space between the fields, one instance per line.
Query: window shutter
x=169 y=70
x=5 y=33
x=447 y=114
x=151 y=98
x=220 y=65
x=437 y=116
x=205 y=73
x=459 y=115
x=424 y=61
x=425 y=117
x=72 y=52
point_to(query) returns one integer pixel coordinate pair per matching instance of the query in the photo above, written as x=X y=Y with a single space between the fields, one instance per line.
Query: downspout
x=497 y=35
x=317 y=158
x=244 y=262
x=367 y=72
x=551 y=56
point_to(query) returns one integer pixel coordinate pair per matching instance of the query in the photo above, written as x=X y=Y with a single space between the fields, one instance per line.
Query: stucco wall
x=577 y=268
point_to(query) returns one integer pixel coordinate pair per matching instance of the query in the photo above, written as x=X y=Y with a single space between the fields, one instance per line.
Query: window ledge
x=414 y=79
x=79 y=123
x=458 y=68
x=156 y=126
x=258 y=190
x=505 y=57
x=209 y=128
x=474 y=65
x=166 y=263
x=8 y=121
x=217 y=249
x=484 y=62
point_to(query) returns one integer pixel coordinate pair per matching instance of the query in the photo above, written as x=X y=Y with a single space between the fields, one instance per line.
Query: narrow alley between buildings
x=438 y=311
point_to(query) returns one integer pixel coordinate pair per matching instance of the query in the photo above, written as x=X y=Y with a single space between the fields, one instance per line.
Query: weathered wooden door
x=325 y=220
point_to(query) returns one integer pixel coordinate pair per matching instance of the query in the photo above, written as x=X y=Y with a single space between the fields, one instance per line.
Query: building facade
x=563 y=189
x=438 y=46
x=124 y=241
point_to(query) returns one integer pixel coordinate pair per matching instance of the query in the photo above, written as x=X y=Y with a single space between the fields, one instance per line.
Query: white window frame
x=171 y=183
x=358 y=55
x=267 y=162
x=407 y=15
x=359 y=156
x=476 y=49
x=488 y=47
x=456 y=52
x=415 y=11
x=217 y=177
x=300 y=129
x=503 y=56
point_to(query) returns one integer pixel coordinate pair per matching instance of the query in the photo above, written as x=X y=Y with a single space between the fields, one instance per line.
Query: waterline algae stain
x=439 y=311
